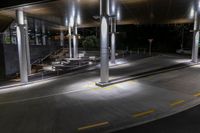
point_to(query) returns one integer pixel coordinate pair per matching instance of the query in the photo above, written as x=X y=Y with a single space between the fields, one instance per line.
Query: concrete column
x=21 y=39
x=27 y=45
x=113 y=39
x=104 y=26
x=70 y=42
x=36 y=32
x=43 y=34
x=61 y=38
x=75 y=42
x=195 y=47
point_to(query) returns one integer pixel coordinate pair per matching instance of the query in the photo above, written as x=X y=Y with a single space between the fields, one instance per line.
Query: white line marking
x=41 y=97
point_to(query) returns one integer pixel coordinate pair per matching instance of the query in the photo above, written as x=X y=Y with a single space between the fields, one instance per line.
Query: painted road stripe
x=93 y=126
x=176 y=103
x=140 y=114
x=97 y=88
x=197 y=94
x=104 y=88
x=110 y=87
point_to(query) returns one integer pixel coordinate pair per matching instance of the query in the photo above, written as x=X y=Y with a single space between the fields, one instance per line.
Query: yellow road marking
x=177 y=102
x=126 y=82
x=130 y=82
x=97 y=88
x=109 y=87
x=93 y=126
x=104 y=88
x=140 y=114
x=197 y=94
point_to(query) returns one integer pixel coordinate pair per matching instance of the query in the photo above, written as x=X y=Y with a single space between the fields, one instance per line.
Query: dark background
x=167 y=38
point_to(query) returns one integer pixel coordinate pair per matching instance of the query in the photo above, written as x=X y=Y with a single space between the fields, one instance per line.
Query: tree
x=90 y=42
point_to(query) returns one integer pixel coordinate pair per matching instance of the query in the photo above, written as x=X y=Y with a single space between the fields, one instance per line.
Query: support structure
x=61 y=38
x=21 y=39
x=70 y=42
x=113 y=39
x=43 y=34
x=75 y=42
x=104 y=26
x=27 y=45
x=36 y=34
x=195 y=47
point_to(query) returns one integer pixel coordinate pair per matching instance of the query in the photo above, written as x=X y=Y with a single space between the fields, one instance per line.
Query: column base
x=195 y=61
x=103 y=84
x=113 y=62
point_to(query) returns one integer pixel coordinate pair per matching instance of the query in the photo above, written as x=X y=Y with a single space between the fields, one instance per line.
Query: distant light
x=66 y=22
x=78 y=19
x=118 y=14
x=73 y=11
x=71 y=22
x=192 y=13
x=199 y=5
x=113 y=8
x=104 y=28
x=108 y=7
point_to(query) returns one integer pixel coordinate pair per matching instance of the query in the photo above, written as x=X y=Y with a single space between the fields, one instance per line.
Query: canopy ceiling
x=127 y=11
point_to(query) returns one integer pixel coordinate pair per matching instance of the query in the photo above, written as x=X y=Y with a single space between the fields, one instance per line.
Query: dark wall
x=2 y=65
x=12 y=59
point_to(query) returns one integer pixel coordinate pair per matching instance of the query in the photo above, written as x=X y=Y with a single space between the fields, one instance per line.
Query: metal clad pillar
x=195 y=47
x=104 y=26
x=36 y=33
x=61 y=38
x=70 y=42
x=43 y=34
x=113 y=39
x=75 y=41
x=21 y=39
x=27 y=45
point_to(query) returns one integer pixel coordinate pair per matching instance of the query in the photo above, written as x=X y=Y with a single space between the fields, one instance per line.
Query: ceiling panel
x=130 y=11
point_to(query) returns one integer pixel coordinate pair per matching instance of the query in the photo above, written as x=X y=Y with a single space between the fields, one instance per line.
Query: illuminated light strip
x=144 y=113
x=93 y=126
x=176 y=103
x=197 y=94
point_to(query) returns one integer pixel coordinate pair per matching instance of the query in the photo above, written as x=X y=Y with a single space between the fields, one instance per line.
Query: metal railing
x=40 y=60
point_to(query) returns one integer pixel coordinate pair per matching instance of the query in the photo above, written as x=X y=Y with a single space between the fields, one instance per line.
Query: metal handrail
x=42 y=59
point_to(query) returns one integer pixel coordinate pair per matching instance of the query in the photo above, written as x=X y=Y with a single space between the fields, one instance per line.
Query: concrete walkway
x=74 y=104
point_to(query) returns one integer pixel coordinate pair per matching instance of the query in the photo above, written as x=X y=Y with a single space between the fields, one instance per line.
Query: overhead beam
x=10 y=4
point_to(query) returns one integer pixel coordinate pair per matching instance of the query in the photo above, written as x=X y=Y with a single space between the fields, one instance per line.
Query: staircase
x=57 y=55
